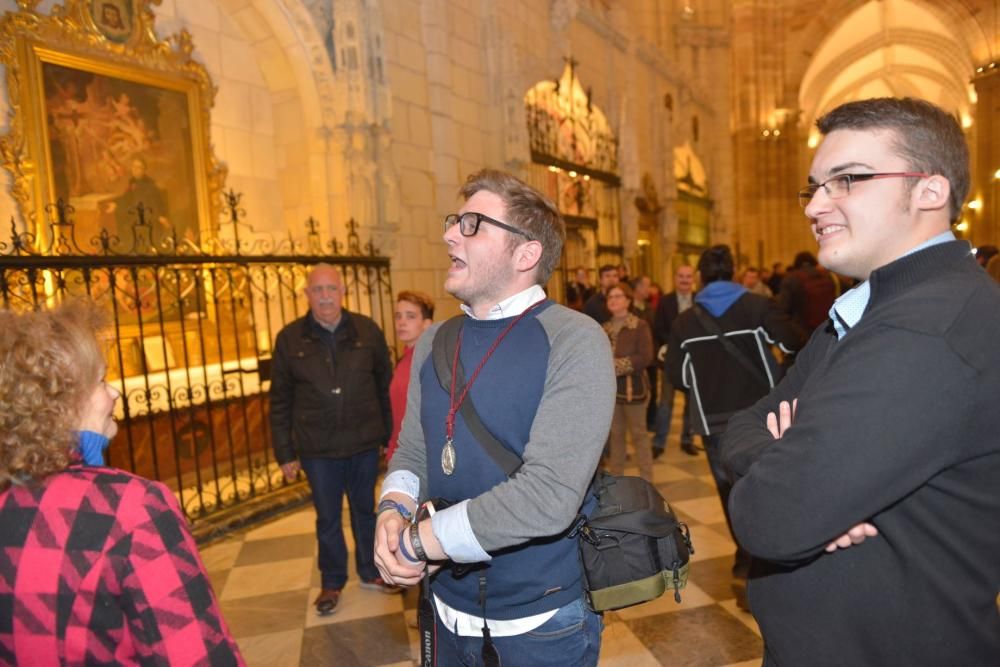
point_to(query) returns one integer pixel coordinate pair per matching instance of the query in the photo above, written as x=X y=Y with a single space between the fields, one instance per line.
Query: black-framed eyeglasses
x=839 y=186
x=468 y=224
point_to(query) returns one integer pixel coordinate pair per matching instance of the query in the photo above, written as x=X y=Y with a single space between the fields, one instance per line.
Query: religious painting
x=112 y=121
x=114 y=18
x=115 y=144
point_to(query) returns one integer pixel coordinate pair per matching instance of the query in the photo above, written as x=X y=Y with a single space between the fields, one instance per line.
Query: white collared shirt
x=511 y=306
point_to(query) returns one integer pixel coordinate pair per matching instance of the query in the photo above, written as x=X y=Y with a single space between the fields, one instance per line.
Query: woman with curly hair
x=98 y=565
x=632 y=347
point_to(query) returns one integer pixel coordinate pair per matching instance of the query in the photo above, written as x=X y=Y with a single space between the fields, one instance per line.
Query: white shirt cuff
x=401 y=481
x=451 y=528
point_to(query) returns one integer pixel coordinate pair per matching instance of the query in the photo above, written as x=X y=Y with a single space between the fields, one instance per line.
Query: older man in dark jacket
x=330 y=414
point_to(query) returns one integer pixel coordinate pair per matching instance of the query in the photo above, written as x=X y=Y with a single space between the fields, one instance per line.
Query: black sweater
x=897 y=424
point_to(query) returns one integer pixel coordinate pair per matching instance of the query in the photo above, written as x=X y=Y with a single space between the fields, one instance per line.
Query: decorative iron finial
x=63 y=209
x=232 y=199
x=353 y=240
x=104 y=241
x=312 y=224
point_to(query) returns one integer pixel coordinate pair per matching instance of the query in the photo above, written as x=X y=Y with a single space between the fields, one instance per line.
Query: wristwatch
x=387 y=505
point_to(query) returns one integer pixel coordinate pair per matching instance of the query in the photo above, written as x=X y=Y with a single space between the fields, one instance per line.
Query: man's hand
x=777 y=424
x=290 y=470
x=855 y=535
x=392 y=565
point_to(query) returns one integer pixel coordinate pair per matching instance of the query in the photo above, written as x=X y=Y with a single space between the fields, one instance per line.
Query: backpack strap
x=443 y=351
x=710 y=325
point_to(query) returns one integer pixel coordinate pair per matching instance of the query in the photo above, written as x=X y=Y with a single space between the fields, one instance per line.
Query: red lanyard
x=453 y=405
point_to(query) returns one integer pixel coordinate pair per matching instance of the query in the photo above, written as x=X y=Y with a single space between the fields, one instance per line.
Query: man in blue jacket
x=720 y=350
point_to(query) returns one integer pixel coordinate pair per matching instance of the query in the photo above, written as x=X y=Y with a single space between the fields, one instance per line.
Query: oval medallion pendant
x=448 y=458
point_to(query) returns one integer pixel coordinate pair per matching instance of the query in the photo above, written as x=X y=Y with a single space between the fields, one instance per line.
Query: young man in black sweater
x=886 y=427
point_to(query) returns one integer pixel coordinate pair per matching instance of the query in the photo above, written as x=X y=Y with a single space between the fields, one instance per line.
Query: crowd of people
x=844 y=404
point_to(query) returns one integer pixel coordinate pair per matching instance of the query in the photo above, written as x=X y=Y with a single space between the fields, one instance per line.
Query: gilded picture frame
x=105 y=116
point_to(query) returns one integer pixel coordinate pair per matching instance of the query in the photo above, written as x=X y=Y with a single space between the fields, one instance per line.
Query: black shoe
x=327 y=601
x=689 y=448
x=657 y=452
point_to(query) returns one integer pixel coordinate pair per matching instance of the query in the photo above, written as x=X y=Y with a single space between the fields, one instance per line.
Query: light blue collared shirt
x=847 y=310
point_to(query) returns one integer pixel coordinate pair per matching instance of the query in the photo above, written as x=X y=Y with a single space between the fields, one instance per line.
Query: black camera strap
x=427 y=625
x=710 y=325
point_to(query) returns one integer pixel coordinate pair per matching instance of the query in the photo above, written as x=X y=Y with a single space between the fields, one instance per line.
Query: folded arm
x=839 y=465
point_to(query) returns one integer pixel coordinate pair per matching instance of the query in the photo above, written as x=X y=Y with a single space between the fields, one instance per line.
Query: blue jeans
x=665 y=413
x=329 y=478
x=571 y=637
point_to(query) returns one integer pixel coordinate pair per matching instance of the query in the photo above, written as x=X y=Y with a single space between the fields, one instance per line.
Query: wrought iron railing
x=193 y=324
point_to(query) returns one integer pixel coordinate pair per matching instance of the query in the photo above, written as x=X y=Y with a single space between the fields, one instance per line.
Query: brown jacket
x=632 y=346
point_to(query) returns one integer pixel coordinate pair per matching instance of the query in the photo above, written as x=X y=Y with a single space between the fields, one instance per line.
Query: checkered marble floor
x=266 y=579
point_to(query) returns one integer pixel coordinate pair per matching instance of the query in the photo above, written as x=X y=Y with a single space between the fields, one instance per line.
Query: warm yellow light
x=975 y=204
x=962 y=226
x=813 y=140
x=966 y=121
x=572 y=174
x=586 y=177
x=644 y=242
x=996 y=175
x=777 y=133
x=766 y=133
x=554 y=170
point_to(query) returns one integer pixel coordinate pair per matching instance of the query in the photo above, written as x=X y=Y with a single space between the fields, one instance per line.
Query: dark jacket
x=807 y=295
x=330 y=391
x=666 y=312
x=597 y=307
x=719 y=382
x=896 y=424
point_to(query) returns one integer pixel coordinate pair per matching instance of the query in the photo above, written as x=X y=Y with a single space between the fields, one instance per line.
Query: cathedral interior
x=184 y=161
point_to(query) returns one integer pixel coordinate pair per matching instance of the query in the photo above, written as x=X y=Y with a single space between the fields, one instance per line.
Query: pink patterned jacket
x=97 y=566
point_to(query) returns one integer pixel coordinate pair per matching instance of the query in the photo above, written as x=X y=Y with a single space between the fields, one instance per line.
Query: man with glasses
x=330 y=413
x=867 y=486
x=505 y=577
